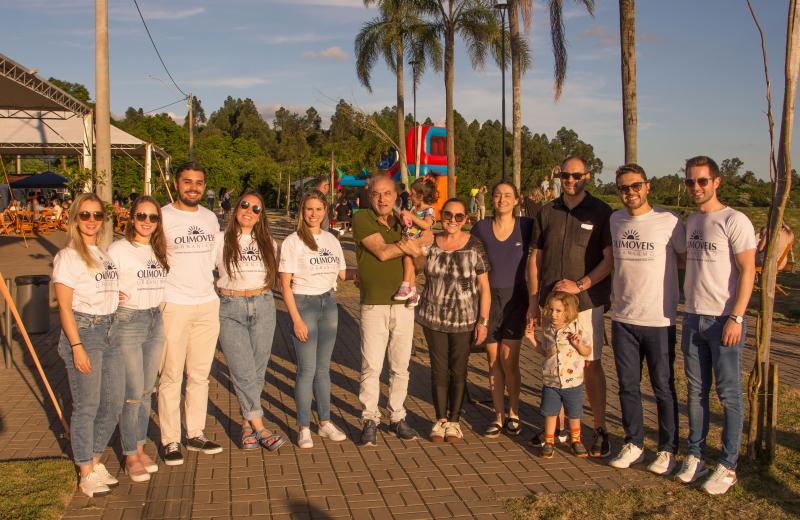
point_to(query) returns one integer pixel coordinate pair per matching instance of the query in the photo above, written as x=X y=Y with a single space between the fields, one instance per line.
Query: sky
x=700 y=75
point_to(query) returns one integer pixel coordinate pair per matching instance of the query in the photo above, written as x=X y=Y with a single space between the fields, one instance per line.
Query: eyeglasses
x=449 y=215
x=255 y=208
x=575 y=176
x=97 y=215
x=153 y=217
x=702 y=182
x=635 y=186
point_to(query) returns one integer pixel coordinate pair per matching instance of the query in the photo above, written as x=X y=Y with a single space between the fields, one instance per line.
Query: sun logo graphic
x=695 y=235
x=194 y=230
x=325 y=252
x=152 y=264
x=109 y=272
x=696 y=242
x=108 y=265
x=630 y=234
x=249 y=250
x=324 y=256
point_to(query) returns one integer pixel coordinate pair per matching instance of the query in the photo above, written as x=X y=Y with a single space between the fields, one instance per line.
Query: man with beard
x=571 y=252
x=647 y=242
x=191 y=316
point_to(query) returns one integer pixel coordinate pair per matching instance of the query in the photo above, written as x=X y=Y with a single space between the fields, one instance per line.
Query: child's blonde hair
x=569 y=301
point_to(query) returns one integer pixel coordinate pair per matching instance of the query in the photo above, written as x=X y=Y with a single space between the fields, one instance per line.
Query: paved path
x=397 y=479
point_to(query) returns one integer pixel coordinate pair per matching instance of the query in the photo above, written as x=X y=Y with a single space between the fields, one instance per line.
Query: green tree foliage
x=76 y=90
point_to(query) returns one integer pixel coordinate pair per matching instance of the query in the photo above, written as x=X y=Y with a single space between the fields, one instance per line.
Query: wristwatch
x=581 y=288
x=737 y=319
x=483 y=322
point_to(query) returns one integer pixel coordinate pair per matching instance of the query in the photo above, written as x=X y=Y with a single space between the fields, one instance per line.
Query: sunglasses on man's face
x=575 y=176
x=255 y=208
x=702 y=182
x=449 y=215
x=86 y=215
x=152 y=217
x=635 y=186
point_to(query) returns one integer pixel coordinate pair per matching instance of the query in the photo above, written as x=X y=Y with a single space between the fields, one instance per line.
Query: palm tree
x=397 y=34
x=627 y=39
x=475 y=21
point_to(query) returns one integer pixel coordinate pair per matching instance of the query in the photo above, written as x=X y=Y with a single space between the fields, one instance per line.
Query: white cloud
x=281 y=39
x=268 y=111
x=231 y=82
x=323 y=3
x=166 y=14
x=333 y=53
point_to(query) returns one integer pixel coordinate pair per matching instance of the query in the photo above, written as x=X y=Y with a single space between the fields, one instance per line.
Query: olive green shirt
x=379 y=280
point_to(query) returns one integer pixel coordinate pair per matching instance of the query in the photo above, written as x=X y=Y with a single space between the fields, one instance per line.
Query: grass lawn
x=35 y=489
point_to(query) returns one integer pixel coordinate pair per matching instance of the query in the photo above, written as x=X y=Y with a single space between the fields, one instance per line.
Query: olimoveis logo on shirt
x=109 y=272
x=250 y=254
x=696 y=243
x=153 y=269
x=324 y=256
x=195 y=238
x=630 y=243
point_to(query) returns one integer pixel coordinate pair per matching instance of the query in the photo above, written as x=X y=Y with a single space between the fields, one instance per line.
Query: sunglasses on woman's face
x=702 y=182
x=449 y=215
x=152 y=217
x=86 y=215
x=255 y=208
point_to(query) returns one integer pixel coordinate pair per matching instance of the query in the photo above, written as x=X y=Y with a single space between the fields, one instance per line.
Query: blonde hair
x=74 y=237
x=569 y=301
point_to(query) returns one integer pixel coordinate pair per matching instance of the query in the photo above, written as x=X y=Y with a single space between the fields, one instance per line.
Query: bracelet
x=75 y=344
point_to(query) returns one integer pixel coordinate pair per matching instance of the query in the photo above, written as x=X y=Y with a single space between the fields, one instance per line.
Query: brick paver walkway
x=396 y=479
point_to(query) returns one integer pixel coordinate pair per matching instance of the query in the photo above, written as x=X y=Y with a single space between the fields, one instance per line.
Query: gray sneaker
x=403 y=430
x=369 y=433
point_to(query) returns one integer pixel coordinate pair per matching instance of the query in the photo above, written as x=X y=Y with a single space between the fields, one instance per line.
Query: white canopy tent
x=39 y=119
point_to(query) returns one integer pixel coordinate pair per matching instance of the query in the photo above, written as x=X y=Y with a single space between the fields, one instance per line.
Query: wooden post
x=103 y=188
x=772 y=413
x=191 y=126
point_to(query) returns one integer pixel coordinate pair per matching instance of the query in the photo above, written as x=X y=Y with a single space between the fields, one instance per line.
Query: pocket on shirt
x=584 y=235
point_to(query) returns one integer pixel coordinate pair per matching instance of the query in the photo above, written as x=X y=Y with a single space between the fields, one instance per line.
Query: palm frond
x=559 y=46
x=478 y=26
x=526 y=10
x=367 y=49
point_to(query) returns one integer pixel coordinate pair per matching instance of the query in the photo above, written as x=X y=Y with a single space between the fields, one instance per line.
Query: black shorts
x=508 y=313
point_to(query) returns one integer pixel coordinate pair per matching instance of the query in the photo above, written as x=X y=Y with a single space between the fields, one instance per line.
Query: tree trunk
x=449 y=80
x=516 y=101
x=401 y=114
x=627 y=38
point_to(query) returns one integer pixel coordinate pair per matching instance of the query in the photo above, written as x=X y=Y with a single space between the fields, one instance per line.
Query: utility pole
x=191 y=126
x=103 y=187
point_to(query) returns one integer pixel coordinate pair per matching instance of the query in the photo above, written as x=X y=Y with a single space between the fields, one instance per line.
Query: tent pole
x=148 y=169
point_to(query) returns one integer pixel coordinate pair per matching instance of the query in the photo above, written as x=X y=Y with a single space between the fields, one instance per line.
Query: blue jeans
x=246 y=329
x=139 y=335
x=97 y=397
x=321 y=315
x=704 y=355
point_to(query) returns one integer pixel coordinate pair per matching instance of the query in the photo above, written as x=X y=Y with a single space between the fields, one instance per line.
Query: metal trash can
x=33 y=302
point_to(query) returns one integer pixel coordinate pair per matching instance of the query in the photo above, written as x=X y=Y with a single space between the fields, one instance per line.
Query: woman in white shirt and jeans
x=86 y=285
x=138 y=331
x=245 y=258
x=312 y=261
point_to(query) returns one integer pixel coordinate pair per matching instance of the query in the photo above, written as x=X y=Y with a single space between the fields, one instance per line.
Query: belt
x=246 y=293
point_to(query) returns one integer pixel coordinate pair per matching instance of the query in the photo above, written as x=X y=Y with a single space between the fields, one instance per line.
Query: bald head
x=382 y=195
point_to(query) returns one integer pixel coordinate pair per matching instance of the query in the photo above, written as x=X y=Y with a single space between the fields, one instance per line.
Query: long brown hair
x=231 y=252
x=302 y=229
x=74 y=237
x=157 y=240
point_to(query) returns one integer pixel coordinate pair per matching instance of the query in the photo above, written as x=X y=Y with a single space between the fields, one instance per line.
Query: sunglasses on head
x=141 y=217
x=449 y=215
x=635 y=186
x=86 y=215
x=575 y=176
x=255 y=208
x=702 y=182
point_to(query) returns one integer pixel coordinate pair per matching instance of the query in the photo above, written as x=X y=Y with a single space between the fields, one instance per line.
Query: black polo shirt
x=572 y=243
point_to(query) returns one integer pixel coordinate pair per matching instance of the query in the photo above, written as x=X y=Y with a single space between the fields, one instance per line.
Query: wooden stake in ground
x=164 y=180
x=13 y=308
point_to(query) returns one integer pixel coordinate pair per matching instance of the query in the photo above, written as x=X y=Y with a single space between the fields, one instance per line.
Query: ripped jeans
x=139 y=334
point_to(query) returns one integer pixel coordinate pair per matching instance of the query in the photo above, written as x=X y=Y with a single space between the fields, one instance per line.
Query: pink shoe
x=413 y=301
x=404 y=293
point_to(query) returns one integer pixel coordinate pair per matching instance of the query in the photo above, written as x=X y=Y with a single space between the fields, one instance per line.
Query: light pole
x=414 y=64
x=502 y=6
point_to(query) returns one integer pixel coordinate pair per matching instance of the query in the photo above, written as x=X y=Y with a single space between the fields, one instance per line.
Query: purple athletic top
x=507 y=258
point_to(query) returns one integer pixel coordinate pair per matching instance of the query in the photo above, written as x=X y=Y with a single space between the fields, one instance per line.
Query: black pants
x=449 y=353
x=632 y=345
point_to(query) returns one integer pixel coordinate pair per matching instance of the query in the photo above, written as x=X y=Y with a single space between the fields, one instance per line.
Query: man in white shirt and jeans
x=191 y=316
x=647 y=242
x=720 y=271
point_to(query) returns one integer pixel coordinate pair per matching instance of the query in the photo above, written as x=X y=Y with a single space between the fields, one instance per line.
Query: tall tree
x=475 y=22
x=398 y=33
x=627 y=41
x=520 y=58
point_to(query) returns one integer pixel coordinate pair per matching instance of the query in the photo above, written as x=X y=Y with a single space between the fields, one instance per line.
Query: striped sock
x=549 y=438
x=575 y=434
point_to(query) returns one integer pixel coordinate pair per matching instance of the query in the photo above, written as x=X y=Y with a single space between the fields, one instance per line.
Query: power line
x=156 y=49
x=181 y=100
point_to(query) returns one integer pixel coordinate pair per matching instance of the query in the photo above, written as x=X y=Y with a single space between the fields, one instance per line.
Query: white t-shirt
x=645 y=266
x=95 y=289
x=190 y=244
x=712 y=241
x=141 y=275
x=313 y=272
x=251 y=273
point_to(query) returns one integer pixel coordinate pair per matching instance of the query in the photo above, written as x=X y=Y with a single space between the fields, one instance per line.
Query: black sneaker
x=172 y=454
x=403 y=430
x=601 y=447
x=548 y=450
x=537 y=441
x=579 y=450
x=369 y=434
x=200 y=443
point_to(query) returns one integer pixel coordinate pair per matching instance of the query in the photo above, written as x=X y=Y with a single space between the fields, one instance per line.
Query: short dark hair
x=631 y=168
x=189 y=165
x=455 y=200
x=322 y=179
x=506 y=183
x=703 y=160
x=427 y=189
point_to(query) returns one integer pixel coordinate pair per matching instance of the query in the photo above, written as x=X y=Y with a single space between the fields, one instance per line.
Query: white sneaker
x=720 y=481
x=93 y=486
x=330 y=431
x=437 y=432
x=628 y=455
x=304 y=438
x=452 y=432
x=664 y=464
x=692 y=469
x=104 y=475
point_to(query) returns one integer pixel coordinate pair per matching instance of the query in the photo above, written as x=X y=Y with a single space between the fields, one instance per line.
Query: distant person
x=473 y=203
x=210 y=198
x=481 y=200
x=720 y=271
x=133 y=195
x=225 y=200
x=533 y=202
x=342 y=210
x=416 y=222
x=404 y=198
x=362 y=197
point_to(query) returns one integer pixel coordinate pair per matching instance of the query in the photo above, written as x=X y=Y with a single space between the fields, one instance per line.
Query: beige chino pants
x=190 y=339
